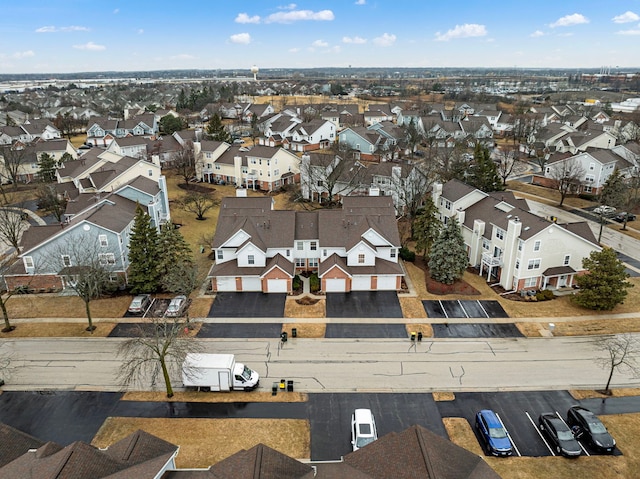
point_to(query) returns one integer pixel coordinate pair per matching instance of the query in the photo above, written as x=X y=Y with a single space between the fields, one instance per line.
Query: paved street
x=339 y=365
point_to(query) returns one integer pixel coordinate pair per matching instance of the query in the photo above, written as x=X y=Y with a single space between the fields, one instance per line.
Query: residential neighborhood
x=311 y=234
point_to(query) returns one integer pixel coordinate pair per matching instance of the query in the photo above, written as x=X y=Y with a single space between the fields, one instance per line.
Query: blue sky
x=59 y=36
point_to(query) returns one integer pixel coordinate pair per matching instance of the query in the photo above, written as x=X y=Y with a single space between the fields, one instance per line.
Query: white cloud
x=629 y=32
x=386 y=40
x=242 y=38
x=356 y=40
x=626 y=17
x=90 y=46
x=462 y=31
x=294 y=50
x=537 y=34
x=320 y=44
x=25 y=54
x=291 y=6
x=244 y=18
x=361 y=2
x=298 y=15
x=53 y=29
x=570 y=20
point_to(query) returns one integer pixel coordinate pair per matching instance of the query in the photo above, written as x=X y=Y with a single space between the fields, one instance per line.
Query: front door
x=562 y=281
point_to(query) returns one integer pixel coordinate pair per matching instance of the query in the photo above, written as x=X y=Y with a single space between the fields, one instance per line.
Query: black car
x=591 y=427
x=620 y=217
x=559 y=435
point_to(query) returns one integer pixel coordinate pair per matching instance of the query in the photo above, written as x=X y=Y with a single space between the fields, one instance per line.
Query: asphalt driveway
x=363 y=304
x=454 y=308
x=356 y=330
x=248 y=305
x=476 y=330
x=240 y=330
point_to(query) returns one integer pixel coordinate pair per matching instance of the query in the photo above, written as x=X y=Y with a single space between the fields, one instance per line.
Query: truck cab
x=245 y=378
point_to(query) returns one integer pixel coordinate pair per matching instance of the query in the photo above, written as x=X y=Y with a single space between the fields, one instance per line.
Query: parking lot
x=248 y=305
x=456 y=308
x=363 y=304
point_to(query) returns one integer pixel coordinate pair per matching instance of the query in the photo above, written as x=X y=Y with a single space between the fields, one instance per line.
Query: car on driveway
x=620 y=217
x=176 y=306
x=560 y=437
x=604 y=210
x=363 y=428
x=590 y=426
x=493 y=433
x=139 y=304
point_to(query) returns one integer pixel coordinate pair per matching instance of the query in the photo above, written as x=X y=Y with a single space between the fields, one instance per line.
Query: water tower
x=254 y=70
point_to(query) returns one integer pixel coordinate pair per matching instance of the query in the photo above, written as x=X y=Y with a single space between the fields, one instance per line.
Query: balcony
x=490 y=260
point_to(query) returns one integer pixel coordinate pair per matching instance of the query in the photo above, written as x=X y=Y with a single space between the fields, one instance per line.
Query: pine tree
x=605 y=285
x=426 y=228
x=484 y=174
x=448 y=260
x=47 y=168
x=143 y=274
x=216 y=130
x=172 y=250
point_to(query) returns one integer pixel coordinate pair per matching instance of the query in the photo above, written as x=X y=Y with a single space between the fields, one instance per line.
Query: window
x=288 y=253
x=361 y=258
x=28 y=261
x=276 y=172
x=589 y=178
x=219 y=254
x=447 y=204
x=103 y=241
x=300 y=245
x=517 y=263
x=520 y=245
x=300 y=263
x=592 y=166
x=107 y=258
x=392 y=253
x=217 y=166
x=251 y=259
x=536 y=246
x=324 y=252
x=313 y=246
x=313 y=262
x=534 y=264
x=567 y=259
x=150 y=172
x=66 y=260
x=499 y=233
x=531 y=282
x=486 y=244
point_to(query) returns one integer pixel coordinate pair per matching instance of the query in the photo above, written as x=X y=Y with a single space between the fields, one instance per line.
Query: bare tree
x=566 y=176
x=508 y=163
x=185 y=162
x=13 y=160
x=160 y=348
x=86 y=268
x=326 y=177
x=12 y=226
x=620 y=351
x=198 y=203
x=50 y=201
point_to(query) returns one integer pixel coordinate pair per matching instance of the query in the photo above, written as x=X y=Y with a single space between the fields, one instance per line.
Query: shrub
x=545 y=295
x=314 y=283
x=588 y=197
x=297 y=283
x=407 y=255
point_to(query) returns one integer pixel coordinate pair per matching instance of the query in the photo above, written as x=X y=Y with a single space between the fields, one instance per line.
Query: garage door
x=335 y=285
x=251 y=284
x=226 y=283
x=277 y=285
x=386 y=283
x=361 y=283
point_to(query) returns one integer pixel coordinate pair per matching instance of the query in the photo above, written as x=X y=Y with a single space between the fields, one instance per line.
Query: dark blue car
x=493 y=433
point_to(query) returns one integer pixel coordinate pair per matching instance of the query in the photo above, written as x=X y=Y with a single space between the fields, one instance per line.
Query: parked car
x=140 y=304
x=560 y=437
x=620 y=217
x=176 y=306
x=238 y=141
x=604 y=210
x=590 y=426
x=363 y=428
x=493 y=433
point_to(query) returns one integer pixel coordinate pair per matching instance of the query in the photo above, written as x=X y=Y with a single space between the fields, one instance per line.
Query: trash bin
x=290 y=385
x=283 y=336
x=413 y=336
x=294 y=332
x=419 y=336
x=283 y=383
x=274 y=389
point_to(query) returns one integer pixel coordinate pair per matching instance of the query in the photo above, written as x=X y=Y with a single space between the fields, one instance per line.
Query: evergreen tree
x=605 y=285
x=216 y=130
x=484 y=174
x=426 y=228
x=143 y=255
x=47 y=168
x=614 y=193
x=448 y=260
x=172 y=250
x=181 y=104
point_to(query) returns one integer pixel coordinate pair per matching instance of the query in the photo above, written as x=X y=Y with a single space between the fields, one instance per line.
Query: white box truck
x=217 y=372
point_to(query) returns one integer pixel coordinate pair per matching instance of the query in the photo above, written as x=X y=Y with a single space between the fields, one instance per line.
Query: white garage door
x=251 y=284
x=361 y=283
x=277 y=285
x=335 y=285
x=226 y=283
x=386 y=282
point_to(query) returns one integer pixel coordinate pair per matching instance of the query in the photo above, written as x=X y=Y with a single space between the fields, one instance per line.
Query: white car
x=604 y=210
x=176 y=306
x=363 y=428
